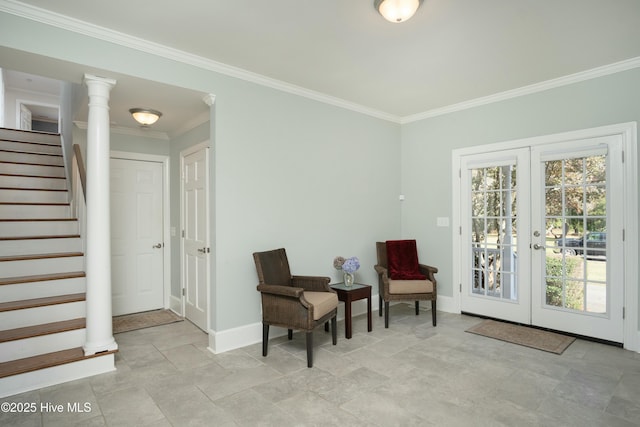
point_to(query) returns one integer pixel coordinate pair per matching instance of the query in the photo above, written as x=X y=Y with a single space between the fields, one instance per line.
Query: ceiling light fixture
x=145 y=116
x=397 y=10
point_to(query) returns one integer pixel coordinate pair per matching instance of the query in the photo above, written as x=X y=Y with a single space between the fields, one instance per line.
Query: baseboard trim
x=175 y=305
x=34 y=380
x=242 y=336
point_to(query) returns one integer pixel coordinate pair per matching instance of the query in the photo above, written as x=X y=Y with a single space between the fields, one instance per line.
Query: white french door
x=577 y=272
x=195 y=226
x=495 y=205
x=541 y=236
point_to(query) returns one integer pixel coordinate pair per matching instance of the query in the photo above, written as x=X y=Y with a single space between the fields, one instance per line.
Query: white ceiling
x=451 y=51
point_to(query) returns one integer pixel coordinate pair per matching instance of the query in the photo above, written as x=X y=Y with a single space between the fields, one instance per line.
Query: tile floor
x=408 y=375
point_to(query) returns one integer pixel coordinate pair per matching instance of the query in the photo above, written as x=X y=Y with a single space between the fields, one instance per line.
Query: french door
x=541 y=236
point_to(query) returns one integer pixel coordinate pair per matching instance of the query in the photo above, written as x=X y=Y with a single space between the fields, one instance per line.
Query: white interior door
x=195 y=248
x=541 y=236
x=137 y=241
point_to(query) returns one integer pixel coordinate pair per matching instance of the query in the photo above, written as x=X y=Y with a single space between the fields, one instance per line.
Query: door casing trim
x=628 y=132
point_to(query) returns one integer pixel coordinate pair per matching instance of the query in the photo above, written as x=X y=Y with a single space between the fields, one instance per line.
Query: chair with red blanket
x=402 y=278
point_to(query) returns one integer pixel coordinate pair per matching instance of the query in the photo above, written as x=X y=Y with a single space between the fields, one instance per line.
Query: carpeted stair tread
x=39 y=330
x=41 y=302
x=41 y=277
x=42 y=361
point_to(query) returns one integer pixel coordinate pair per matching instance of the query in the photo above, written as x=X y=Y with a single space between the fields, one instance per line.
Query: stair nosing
x=46 y=360
x=4 y=150
x=41 y=302
x=36 y=219
x=50 y=236
x=41 y=330
x=33 y=176
x=30 y=164
x=16 y=280
x=51 y=255
x=35 y=203
x=30 y=132
x=32 y=189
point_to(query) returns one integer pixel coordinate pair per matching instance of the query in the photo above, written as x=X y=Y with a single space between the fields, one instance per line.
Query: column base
x=91 y=349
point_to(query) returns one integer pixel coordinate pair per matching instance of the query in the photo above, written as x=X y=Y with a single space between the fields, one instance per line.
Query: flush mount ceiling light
x=145 y=116
x=397 y=10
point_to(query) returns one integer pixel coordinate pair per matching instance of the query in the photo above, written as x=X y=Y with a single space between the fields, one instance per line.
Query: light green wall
x=319 y=180
x=287 y=171
x=290 y=172
x=427 y=147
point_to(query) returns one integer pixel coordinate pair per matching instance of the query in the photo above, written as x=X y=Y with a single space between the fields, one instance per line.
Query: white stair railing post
x=98 y=254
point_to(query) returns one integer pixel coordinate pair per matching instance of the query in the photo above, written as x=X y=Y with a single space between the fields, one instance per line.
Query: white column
x=98 y=243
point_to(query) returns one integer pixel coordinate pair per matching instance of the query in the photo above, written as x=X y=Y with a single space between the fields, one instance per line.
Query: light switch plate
x=443 y=221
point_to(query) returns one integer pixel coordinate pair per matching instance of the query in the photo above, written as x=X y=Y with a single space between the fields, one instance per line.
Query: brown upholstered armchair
x=406 y=280
x=293 y=302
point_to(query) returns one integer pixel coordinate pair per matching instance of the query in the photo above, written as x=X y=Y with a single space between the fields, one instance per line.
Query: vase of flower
x=348 y=266
x=348 y=279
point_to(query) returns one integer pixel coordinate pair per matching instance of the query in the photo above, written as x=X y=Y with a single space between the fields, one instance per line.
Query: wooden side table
x=348 y=294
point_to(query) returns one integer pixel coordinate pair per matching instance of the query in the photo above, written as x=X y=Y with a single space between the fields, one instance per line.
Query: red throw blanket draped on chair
x=402 y=260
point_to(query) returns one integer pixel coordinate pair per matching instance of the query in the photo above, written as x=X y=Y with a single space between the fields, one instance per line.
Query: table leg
x=347 y=318
x=369 y=324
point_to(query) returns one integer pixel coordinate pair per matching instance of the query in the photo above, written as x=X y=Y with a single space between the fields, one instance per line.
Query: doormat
x=132 y=322
x=523 y=335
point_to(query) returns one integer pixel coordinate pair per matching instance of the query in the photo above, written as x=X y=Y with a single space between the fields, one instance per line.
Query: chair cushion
x=323 y=302
x=402 y=260
x=410 y=286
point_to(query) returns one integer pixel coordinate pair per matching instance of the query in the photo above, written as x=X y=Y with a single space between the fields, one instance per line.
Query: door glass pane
x=576 y=219
x=493 y=232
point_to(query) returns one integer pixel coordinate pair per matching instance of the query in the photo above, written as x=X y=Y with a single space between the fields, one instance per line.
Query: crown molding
x=71 y=24
x=593 y=73
x=122 y=130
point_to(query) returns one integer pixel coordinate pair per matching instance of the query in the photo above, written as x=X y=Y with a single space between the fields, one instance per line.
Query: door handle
x=203 y=250
x=158 y=246
x=537 y=247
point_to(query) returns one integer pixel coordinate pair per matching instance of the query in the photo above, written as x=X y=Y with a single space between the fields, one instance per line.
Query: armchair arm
x=429 y=271
x=428 y=267
x=312 y=283
x=285 y=291
x=382 y=271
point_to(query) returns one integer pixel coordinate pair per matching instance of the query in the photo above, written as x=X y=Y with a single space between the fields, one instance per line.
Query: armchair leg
x=417 y=307
x=265 y=339
x=290 y=334
x=386 y=314
x=309 y=349
x=433 y=311
x=334 y=330
x=380 y=305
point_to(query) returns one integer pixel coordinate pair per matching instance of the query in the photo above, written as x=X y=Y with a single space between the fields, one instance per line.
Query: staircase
x=42 y=279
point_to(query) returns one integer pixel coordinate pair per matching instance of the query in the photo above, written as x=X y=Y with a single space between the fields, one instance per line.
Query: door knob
x=158 y=246
x=537 y=246
x=203 y=250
